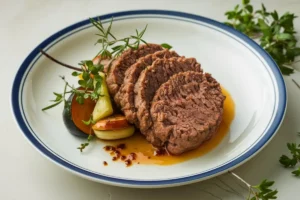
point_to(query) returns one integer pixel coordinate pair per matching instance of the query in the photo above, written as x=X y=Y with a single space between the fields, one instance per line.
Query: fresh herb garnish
x=59 y=99
x=84 y=145
x=113 y=47
x=166 y=46
x=91 y=80
x=295 y=151
x=276 y=33
x=296 y=172
x=262 y=191
x=90 y=85
x=292 y=161
x=88 y=122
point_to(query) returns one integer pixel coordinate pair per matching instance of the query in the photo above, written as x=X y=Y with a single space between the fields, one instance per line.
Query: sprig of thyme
x=276 y=33
x=113 y=47
x=84 y=145
x=90 y=83
x=59 y=98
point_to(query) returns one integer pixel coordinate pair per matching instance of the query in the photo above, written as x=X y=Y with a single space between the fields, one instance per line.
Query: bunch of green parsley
x=275 y=33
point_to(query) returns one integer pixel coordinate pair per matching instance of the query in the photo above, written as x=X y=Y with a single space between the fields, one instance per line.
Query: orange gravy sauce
x=145 y=151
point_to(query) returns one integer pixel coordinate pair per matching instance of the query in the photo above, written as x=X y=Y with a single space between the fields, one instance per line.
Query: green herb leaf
x=94 y=96
x=98 y=78
x=51 y=106
x=295 y=151
x=80 y=99
x=245 y=2
x=287 y=162
x=85 y=76
x=249 y=8
x=89 y=64
x=263 y=25
x=264 y=190
x=286 y=70
x=86 y=95
x=296 y=172
x=58 y=97
x=82 y=83
x=75 y=73
x=284 y=36
x=275 y=15
x=84 y=145
x=88 y=122
x=166 y=46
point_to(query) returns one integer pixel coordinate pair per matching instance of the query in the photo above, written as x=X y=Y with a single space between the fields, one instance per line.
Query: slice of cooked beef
x=186 y=111
x=151 y=79
x=125 y=96
x=117 y=70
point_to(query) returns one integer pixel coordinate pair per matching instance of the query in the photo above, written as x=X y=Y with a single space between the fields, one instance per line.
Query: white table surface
x=25 y=174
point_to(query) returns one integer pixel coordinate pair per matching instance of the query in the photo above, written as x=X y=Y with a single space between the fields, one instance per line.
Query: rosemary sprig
x=276 y=33
x=113 y=47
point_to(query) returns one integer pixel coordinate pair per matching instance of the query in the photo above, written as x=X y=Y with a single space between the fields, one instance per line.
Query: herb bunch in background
x=291 y=162
x=262 y=191
x=276 y=33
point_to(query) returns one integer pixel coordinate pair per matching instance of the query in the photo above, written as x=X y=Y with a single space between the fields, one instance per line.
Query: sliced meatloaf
x=186 y=111
x=117 y=70
x=125 y=96
x=151 y=79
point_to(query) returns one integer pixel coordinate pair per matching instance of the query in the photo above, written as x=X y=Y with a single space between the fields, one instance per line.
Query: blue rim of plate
x=282 y=100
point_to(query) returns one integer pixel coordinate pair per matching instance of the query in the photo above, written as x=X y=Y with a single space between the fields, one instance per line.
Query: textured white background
x=25 y=174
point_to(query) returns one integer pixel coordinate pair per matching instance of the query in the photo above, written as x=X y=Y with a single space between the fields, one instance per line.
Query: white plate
x=238 y=63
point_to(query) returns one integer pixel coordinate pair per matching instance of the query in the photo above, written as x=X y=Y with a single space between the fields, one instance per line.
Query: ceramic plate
x=237 y=62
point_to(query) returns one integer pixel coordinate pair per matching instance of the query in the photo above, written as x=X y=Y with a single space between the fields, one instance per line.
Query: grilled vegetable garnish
x=111 y=123
x=115 y=134
x=103 y=106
